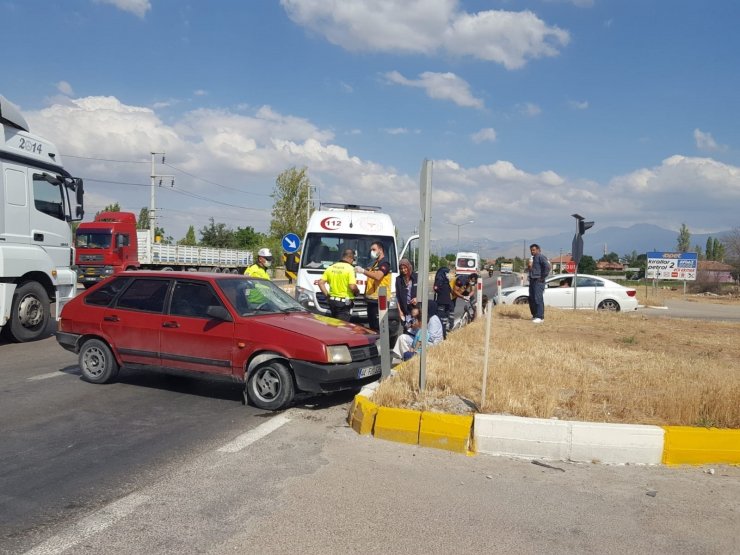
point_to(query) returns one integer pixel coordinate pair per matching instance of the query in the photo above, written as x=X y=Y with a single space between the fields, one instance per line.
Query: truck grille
x=91 y=258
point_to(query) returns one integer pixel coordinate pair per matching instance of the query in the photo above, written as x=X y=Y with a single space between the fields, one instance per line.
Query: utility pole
x=152 y=198
x=309 y=202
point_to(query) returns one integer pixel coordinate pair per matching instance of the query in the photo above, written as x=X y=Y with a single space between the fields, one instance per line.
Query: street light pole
x=458 y=230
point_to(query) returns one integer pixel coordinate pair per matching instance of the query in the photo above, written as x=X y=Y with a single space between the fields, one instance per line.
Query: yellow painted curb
x=361 y=417
x=401 y=425
x=445 y=431
x=688 y=445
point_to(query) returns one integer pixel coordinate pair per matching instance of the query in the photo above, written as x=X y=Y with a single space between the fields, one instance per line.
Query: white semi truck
x=39 y=199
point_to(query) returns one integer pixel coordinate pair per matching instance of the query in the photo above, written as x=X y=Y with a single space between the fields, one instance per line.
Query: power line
x=105 y=159
x=214 y=183
x=115 y=182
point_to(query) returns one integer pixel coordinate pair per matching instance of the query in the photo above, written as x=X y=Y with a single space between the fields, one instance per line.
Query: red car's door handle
x=110 y=318
x=170 y=325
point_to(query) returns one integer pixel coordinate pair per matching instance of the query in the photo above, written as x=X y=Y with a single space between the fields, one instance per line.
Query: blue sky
x=625 y=111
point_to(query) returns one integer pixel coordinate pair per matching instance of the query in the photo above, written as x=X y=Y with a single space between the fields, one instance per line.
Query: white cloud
x=578 y=104
x=136 y=7
x=485 y=134
x=706 y=143
x=441 y=86
x=397 y=131
x=65 y=88
x=530 y=109
x=247 y=151
x=200 y=92
x=429 y=26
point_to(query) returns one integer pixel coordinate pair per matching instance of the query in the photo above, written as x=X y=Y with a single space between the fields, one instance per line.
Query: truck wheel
x=167 y=269
x=270 y=387
x=97 y=362
x=30 y=313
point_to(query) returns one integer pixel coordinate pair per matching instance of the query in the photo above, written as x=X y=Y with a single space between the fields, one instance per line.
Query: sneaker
x=537 y=320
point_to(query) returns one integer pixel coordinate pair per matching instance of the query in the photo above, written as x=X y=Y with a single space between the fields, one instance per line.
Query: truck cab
x=38 y=200
x=106 y=246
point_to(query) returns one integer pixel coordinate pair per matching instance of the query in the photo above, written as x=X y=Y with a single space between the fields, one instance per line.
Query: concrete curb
x=538 y=438
x=450 y=432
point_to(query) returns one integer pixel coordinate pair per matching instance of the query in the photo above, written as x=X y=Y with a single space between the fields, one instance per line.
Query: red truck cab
x=106 y=246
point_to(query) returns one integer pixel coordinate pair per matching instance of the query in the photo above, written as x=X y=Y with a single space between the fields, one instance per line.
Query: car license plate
x=368 y=371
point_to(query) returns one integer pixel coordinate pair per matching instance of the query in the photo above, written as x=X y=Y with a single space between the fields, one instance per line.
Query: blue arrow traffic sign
x=291 y=242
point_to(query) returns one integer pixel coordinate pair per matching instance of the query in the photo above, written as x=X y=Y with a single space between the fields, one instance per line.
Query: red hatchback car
x=246 y=329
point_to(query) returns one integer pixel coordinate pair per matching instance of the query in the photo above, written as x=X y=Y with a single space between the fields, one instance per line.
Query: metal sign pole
x=425 y=232
x=385 y=348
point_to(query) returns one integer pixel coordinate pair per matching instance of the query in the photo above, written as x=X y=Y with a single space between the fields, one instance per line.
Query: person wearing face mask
x=378 y=275
x=259 y=268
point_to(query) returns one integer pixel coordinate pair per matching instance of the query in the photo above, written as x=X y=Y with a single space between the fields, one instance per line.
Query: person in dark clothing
x=443 y=297
x=538 y=269
x=406 y=285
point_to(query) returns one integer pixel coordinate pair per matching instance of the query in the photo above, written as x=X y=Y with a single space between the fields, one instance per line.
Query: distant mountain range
x=641 y=238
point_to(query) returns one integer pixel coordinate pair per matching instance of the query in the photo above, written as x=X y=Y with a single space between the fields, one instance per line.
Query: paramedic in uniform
x=378 y=275
x=342 y=286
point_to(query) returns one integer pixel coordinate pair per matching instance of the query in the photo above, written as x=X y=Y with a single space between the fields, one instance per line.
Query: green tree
x=611 y=257
x=683 y=244
x=587 y=265
x=217 y=236
x=115 y=207
x=290 y=200
x=189 y=240
x=143 y=221
x=718 y=250
x=249 y=239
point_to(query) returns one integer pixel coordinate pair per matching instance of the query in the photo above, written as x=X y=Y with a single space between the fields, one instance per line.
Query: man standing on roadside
x=378 y=275
x=259 y=268
x=538 y=268
x=342 y=286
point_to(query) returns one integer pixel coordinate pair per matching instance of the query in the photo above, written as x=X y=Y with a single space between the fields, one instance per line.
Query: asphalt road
x=309 y=484
x=68 y=446
x=679 y=308
x=161 y=464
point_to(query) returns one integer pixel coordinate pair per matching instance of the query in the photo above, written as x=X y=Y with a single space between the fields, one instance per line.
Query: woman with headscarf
x=406 y=284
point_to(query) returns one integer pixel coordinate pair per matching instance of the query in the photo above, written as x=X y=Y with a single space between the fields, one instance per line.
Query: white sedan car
x=593 y=292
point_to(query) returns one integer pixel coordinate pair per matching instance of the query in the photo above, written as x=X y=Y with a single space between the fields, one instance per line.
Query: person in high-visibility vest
x=378 y=275
x=259 y=268
x=255 y=297
x=342 y=286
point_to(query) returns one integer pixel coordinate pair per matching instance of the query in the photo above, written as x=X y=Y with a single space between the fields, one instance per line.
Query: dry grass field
x=591 y=366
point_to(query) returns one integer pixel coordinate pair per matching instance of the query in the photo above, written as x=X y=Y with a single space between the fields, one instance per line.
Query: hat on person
x=265 y=253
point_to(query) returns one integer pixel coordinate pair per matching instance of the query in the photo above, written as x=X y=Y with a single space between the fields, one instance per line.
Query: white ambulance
x=467 y=263
x=332 y=229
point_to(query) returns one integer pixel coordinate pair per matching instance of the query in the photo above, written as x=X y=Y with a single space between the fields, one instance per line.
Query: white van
x=333 y=228
x=467 y=263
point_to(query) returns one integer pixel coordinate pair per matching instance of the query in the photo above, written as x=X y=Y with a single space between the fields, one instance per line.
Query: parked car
x=245 y=329
x=593 y=292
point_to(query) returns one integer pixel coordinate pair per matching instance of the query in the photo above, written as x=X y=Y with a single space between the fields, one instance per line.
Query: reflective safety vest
x=374 y=285
x=257 y=271
x=340 y=276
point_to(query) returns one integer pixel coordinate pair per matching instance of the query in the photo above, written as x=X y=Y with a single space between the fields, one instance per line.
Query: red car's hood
x=326 y=329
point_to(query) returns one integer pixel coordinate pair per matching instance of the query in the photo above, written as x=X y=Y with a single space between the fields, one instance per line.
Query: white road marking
x=96 y=522
x=46 y=376
x=255 y=434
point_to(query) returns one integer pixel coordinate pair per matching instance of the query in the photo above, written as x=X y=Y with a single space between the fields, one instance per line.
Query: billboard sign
x=672 y=265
